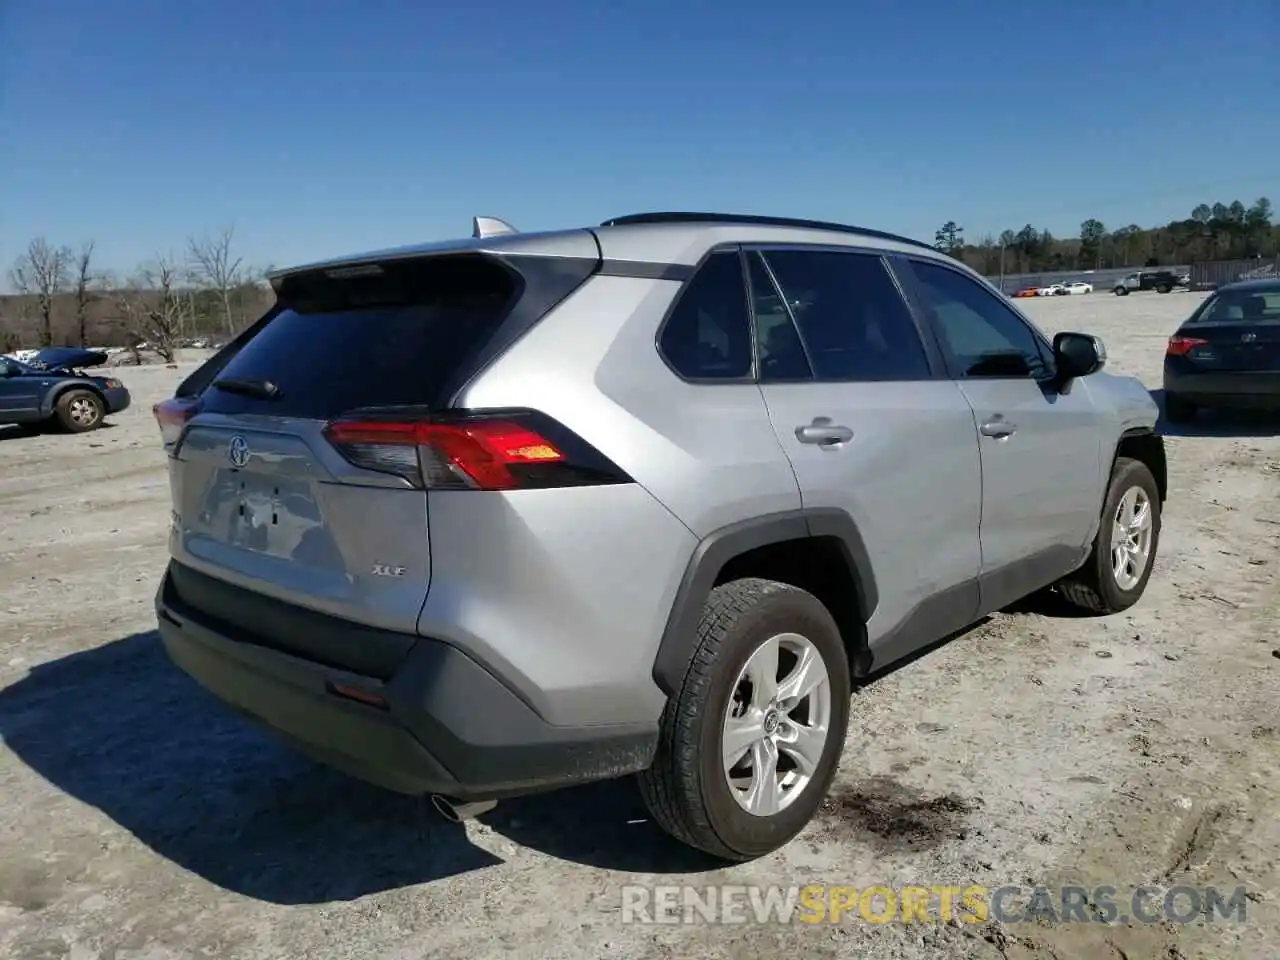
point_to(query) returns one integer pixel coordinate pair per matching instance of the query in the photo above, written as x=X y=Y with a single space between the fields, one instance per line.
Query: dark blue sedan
x=52 y=389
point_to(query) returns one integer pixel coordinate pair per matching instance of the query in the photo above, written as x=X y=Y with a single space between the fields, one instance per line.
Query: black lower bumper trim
x=450 y=726
x=1258 y=389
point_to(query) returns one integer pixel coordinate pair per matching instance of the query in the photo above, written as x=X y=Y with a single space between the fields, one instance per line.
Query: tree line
x=1219 y=231
x=210 y=293
x=62 y=298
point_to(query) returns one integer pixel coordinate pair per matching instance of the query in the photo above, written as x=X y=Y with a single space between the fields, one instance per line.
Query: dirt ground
x=141 y=820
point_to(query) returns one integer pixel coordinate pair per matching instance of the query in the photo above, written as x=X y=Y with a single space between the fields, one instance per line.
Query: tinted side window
x=782 y=355
x=707 y=336
x=854 y=323
x=983 y=336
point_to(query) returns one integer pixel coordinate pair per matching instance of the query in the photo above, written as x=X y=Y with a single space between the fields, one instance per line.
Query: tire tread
x=669 y=787
x=1084 y=588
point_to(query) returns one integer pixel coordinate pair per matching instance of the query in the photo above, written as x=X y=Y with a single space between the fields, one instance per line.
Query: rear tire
x=1124 y=550
x=79 y=410
x=1164 y=289
x=1178 y=409
x=688 y=789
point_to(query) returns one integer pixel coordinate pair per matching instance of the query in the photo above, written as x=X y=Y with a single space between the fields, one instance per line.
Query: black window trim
x=935 y=358
x=747 y=254
x=905 y=263
x=750 y=376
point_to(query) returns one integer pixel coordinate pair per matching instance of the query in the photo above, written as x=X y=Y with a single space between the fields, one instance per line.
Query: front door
x=1042 y=449
x=19 y=395
x=874 y=428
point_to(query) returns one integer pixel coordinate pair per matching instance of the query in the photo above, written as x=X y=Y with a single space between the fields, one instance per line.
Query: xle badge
x=386 y=570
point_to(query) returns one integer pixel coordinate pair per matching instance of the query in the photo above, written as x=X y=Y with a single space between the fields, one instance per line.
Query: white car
x=1078 y=287
x=1054 y=290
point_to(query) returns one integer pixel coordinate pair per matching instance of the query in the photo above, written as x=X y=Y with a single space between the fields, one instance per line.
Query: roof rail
x=747 y=218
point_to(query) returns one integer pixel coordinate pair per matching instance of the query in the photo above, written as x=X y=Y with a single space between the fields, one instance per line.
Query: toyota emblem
x=1249 y=337
x=238 y=451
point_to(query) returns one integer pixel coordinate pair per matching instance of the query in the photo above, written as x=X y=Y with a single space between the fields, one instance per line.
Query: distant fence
x=1215 y=273
x=1102 y=280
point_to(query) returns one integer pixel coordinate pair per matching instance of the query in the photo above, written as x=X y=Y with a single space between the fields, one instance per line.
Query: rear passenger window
x=854 y=324
x=707 y=336
x=782 y=355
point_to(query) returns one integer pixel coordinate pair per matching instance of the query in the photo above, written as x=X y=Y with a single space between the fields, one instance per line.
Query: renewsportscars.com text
x=815 y=904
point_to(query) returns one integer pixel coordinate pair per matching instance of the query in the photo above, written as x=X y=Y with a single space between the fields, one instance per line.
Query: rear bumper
x=1255 y=389
x=447 y=725
x=118 y=399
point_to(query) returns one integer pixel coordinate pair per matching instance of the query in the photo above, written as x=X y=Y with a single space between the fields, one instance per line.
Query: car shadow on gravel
x=120 y=728
x=17 y=432
x=1219 y=423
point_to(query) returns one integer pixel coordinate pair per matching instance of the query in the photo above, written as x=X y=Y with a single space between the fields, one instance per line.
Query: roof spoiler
x=490 y=227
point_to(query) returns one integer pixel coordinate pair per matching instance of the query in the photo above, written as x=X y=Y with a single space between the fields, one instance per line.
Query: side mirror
x=1078 y=355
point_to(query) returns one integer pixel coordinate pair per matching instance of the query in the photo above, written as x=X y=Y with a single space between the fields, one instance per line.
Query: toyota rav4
x=520 y=511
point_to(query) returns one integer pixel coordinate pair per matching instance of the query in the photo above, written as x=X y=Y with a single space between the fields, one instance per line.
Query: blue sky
x=318 y=127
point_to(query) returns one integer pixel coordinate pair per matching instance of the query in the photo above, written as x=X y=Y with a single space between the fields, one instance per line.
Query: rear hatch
x=1235 y=331
x=272 y=501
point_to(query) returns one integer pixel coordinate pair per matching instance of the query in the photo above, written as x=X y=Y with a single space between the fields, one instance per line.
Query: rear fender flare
x=680 y=637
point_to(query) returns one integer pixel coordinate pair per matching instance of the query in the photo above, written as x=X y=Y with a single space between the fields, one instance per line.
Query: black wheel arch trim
x=1151 y=438
x=714 y=551
x=58 y=391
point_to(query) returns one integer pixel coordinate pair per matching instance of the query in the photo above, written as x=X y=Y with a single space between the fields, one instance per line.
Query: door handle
x=999 y=428
x=823 y=432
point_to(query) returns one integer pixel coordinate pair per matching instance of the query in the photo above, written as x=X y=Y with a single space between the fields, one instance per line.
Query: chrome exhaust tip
x=456 y=812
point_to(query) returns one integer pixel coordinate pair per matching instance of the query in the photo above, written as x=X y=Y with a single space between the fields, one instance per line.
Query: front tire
x=1124 y=551
x=749 y=744
x=1122 y=291
x=79 y=410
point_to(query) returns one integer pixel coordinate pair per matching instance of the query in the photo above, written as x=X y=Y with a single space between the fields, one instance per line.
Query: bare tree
x=154 y=309
x=213 y=266
x=85 y=292
x=42 y=272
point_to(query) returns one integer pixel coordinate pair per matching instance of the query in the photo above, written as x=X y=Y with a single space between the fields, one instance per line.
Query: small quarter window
x=707 y=336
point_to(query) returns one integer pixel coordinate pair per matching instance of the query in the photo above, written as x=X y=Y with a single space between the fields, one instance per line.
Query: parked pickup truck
x=1161 y=281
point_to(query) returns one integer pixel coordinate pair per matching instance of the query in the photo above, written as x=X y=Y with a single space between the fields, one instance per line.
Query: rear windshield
x=1241 y=306
x=361 y=341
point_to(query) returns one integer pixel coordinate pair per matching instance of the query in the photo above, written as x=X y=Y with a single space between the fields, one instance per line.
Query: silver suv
x=493 y=516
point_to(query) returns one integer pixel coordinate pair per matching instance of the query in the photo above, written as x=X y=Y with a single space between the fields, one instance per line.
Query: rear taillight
x=471 y=450
x=1181 y=346
x=172 y=416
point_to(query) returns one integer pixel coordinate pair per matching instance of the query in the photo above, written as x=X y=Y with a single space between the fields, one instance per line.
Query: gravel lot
x=140 y=820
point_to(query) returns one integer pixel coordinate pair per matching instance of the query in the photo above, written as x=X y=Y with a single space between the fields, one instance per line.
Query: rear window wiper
x=259 y=389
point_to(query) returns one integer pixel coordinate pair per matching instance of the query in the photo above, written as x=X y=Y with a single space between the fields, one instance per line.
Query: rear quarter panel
x=569 y=590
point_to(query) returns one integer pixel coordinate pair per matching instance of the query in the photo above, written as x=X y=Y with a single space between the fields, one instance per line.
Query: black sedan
x=52 y=388
x=1227 y=353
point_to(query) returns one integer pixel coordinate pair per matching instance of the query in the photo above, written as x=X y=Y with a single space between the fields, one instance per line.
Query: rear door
x=873 y=427
x=263 y=501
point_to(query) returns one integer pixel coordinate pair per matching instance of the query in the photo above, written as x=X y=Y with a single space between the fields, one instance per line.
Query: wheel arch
x=819 y=550
x=58 y=390
x=1145 y=445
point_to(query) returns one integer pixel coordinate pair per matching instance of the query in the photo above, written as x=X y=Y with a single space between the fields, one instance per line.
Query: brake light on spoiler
x=471 y=450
